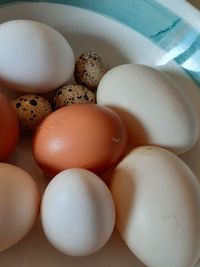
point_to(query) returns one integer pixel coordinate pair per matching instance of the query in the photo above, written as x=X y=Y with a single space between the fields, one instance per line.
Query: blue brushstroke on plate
x=164 y=28
x=159 y=35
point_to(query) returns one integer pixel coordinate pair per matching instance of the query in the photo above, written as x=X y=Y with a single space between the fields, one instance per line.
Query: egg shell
x=154 y=108
x=34 y=58
x=79 y=136
x=73 y=94
x=9 y=133
x=31 y=110
x=157 y=200
x=89 y=69
x=77 y=212
x=19 y=204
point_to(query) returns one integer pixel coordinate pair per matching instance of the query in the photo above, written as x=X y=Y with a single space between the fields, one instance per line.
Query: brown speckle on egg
x=31 y=110
x=18 y=104
x=33 y=102
x=89 y=69
x=72 y=94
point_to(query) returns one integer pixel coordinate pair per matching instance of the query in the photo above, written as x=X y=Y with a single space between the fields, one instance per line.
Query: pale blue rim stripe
x=166 y=29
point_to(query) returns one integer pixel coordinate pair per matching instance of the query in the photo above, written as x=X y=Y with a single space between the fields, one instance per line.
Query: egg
x=89 y=69
x=157 y=199
x=79 y=136
x=19 y=204
x=31 y=110
x=34 y=58
x=77 y=212
x=154 y=108
x=9 y=128
x=72 y=94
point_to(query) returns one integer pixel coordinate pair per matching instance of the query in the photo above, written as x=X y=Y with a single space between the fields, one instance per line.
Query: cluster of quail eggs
x=32 y=108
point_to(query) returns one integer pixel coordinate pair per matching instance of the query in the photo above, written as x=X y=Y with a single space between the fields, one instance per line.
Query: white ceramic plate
x=113 y=34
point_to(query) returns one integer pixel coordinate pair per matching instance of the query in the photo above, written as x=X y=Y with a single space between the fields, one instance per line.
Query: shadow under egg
x=137 y=135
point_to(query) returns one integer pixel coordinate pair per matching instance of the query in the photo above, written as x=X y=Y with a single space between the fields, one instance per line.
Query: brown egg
x=72 y=94
x=9 y=128
x=89 y=69
x=31 y=110
x=79 y=136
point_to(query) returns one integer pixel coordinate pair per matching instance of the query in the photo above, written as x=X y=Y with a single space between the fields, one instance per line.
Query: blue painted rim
x=157 y=23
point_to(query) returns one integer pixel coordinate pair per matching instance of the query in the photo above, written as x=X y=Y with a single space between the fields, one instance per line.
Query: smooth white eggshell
x=157 y=199
x=34 y=58
x=77 y=212
x=153 y=107
x=19 y=204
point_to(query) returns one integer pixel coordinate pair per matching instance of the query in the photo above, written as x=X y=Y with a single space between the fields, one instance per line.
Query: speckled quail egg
x=89 y=69
x=31 y=110
x=72 y=94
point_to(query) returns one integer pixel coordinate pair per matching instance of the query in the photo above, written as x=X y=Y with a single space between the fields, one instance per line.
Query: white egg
x=157 y=199
x=154 y=108
x=77 y=212
x=34 y=57
x=19 y=204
